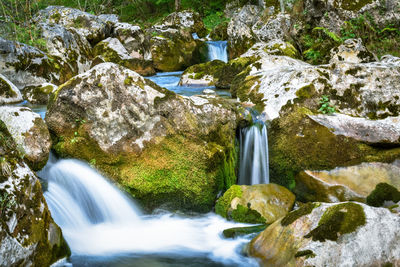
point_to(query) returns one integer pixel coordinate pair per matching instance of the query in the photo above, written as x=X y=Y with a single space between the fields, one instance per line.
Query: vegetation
x=326 y=107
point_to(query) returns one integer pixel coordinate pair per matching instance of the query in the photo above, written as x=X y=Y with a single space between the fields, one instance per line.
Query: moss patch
x=296 y=214
x=240 y=231
x=224 y=203
x=338 y=220
x=383 y=192
x=246 y=215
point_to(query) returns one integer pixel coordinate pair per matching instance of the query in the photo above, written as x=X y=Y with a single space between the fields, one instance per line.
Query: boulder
x=352 y=51
x=262 y=203
x=269 y=28
x=39 y=94
x=186 y=19
x=353 y=183
x=25 y=65
x=204 y=74
x=172 y=49
x=111 y=19
x=29 y=132
x=9 y=93
x=133 y=39
x=93 y=28
x=28 y=234
x=159 y=146
x=111 y=50
x=320 y=234
x=72 y=51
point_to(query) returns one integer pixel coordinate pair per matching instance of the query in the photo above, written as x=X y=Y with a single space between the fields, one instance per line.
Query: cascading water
x=217 y=50
x=254 y=165
x=97 y=219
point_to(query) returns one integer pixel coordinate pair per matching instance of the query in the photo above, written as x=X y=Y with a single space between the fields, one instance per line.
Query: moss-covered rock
x=241 y=231
x=111 y=50
x=39 y=94
x=264 y=203
x=9 y=93
x=188 y=20
x=162 y=148
x=204 y=74
x=230 y=70
x=383 y=192
x=28 y=234
x=330 y=234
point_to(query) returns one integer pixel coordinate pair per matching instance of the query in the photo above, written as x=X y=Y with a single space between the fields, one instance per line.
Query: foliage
x=326 y=107
x=212 y=20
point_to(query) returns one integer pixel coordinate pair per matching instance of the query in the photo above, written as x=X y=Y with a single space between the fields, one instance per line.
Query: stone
x=29 y=236
x=39 y=94
x=9 y=93
x=134 y=39
x=321 y=234
x=188 y=20
x=109 y=18
x=29 y=132
x=352 y=51
x=111 y=50
x=262 y=203
x=204 y=74
x=161 y=147
x=275 y=27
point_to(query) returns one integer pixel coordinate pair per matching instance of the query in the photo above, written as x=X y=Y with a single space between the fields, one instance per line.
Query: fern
x=330 y=34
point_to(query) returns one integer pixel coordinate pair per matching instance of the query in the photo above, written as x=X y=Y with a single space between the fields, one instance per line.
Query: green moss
x=306 y=91
x=241 y=231
x=6 y=90
x=223 y=204
x=280 y=49
x=338 y=220
x=296 y=214
x=245 y=215
x=128 y=81
x=383 y=192
x=56 y=16
x=305 y=253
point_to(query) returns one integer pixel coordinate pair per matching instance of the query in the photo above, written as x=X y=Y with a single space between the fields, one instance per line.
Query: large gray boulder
x=161 y=147
x=186 y=19
x=28 y=234
x=29 y=133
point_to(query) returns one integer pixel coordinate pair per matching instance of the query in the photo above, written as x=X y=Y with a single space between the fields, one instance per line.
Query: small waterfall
x=254 y=166
x=97 y=219
x=217 y=50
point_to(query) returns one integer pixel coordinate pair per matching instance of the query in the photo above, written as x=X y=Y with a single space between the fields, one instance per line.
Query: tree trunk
x=177 y=5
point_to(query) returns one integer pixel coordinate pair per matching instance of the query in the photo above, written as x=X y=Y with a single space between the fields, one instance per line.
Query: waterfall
x=254 y=166
x=217 y=50
x=97 y=219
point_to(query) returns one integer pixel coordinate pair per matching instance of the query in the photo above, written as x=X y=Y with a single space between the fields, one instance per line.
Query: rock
x=159 y=146
x=330 y=235
x=25 y=65
x=93 y=28
x=220 y=32
x=352 y=183
x=352 y=51
x=188 y=20
x=275 y=27
x=263 y=203
x=241 y=231
x=377 y=132
x=72 y=51
x=231 y=70
x=109 y=18
x=278 y=47
x=382 y=194
x=209 y=92
x=29 y=133
x=9 y=93
x=240 y=35
x=39 y=94
x=204 y=74
x=111 y=50
x=29 y=236
x=133 y=39
x=172 y=49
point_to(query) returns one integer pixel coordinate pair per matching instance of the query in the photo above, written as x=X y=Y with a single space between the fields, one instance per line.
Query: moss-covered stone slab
x=330 y=234
x=164 y=149
x=204 y=74
x=28 y=234
x=264 y=203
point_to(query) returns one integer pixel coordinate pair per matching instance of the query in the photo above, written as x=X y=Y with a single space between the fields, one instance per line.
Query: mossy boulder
x=111 y=50
x=29 y=132
x=172 y=48
x=162 y=148
x=9 y=93
x=28 y=234
x=188 y=20
x=39 y=94
x=263 y=203
x=330 y=234
x=204 y=74
x=353 y=51
x=383 y=192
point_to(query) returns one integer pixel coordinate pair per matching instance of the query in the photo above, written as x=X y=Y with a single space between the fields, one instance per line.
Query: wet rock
x=29 y=236
x=29 y=133
x=330 y=235
x=204 y=74
x=353 y=183
x=241 y=231
x=111 y=50
x=93 y=28
x=352 y=51
x=9 y=93
x=188 y=20
x=161 y=147
x=263 y=203
x=25 y=65
x=133 y=39
x=39 y=94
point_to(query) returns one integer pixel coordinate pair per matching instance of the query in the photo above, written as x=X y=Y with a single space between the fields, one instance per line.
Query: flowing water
x=104 y=227
x=254 y=166
x=217 y=50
